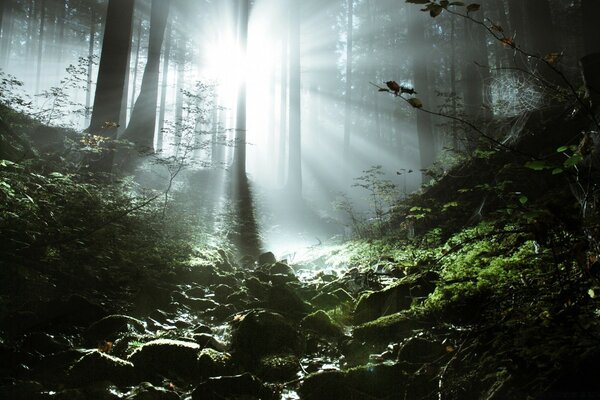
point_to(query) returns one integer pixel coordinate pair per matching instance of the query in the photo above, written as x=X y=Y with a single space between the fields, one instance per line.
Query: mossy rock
x=111 y=327
x=96 y=367
x=260 y=333
x=213 y=363
x=321 y=322
x=146 y=391
x=165 y=357
x=365 y=382
x=244 y=386
x=278 y=367
x=395 y=298
x=284 y=299
x=389 y=328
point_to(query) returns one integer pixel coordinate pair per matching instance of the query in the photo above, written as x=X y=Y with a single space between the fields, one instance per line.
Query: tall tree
x=541 y=38
x=591 y=29
x=142 y=124
x=420 y=67
x=163 y=90
x=239 y=160
x=90 y=64
x=348 y=95
x=283 y=106
x=40 y=46
x=294 y=182
x=112 y=69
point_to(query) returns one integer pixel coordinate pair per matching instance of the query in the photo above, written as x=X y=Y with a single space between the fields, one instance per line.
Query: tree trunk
x=111 y=73
x=541 y=38
x=40 y=48
x=239 y=158
x=7 y=30
x=348 y=96
x=294 y=182
x=591 y=29
x=142 y=124
x=420 y=72
x=90 y=66
x=181 y=49
x=590 y=67
x=136 y=63
x=163 y=91
x=283 y=109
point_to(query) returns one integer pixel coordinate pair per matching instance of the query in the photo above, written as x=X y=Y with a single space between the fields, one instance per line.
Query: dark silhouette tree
x=239 y=157
x=111 y=74
x=142 y=124
x=294 y=181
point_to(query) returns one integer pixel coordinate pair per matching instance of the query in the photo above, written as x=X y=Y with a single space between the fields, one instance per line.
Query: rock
x=206 y=340
x=201 y=328
x=199 y=305
x=168 y=358
x=267 y=258
x=21 y=390
x=396 y=297
x=343 y=295
x=14 y=362
x=325 y=300
x=213 y=363
x=283 y=299
x=43 y=344
x=281 y=268
x=149 y=299
x=377 y=382
x=419 y=350
x=195 y=292
x=97 y=391
x=256 y=288
x=244 y=386
x=55 y=367
x=259 y=333
x=111 y=327
x=321 y=322
x=19 y=322
x=147 y=391
x=222 y=292
x=278 y=367
x=96 y=366
x=389 y=328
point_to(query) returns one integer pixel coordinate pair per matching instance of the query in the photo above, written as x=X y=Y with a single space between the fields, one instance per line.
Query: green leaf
x=557 y=171
x=562 y=149
x=573 y=160
x=537 y=165
x=523 y=200
x=416 y=103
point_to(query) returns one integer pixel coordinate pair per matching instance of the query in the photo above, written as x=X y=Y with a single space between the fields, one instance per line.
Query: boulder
x=278 y=367
x=244 y=386
x=389 y=328
x=283 y=299
x=259 y=333
x=267 y=258
x=320 y=322
x=366 y=382
x=147 y=391
x=111 y=327
x=96 y=367
x=213 y=363
x=167 y=358
x=395 y=298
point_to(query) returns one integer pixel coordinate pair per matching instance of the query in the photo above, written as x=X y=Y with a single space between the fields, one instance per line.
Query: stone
x=389 y=328
x=213 y=363
x=278 y=367
x=366 y=382
x=206 y=340
x=111 y=327
x=320 y=322
x=394 y=298
x=284 y=299
x=420 y=350
x=96 y=367
x=259 y=333
x=267 y=258
x=244 y=386
x=44 y=343
x=166 y=357
x=147 y=391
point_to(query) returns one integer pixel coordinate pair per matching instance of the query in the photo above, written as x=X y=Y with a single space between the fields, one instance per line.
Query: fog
x=347 y=123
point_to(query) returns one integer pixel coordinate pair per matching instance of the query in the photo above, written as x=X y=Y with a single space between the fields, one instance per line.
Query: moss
x=321 y=322
x=391 y=327
x=278 y=367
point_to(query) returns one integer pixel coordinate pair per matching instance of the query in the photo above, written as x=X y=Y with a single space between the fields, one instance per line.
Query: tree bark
x=111 y=73
x=90 y=66
x=239 y=158
x=136 y=62
x=142 y=124
x=421 y=79
x=283 y=109
x=163 y=91
x=181 y=49
x=40 y=48
x=348 y=95
x=294 y=182
x=591 y=28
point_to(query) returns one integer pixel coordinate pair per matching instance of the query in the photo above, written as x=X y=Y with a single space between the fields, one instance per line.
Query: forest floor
x=483 y=286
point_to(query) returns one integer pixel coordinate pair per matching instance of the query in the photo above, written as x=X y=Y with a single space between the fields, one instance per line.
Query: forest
x=299 y=200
